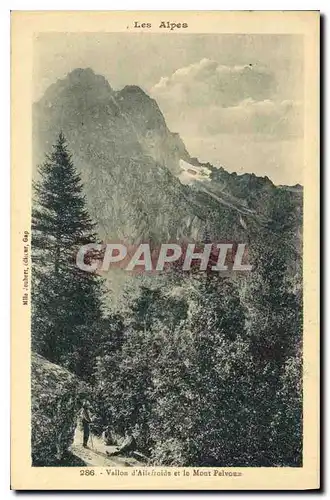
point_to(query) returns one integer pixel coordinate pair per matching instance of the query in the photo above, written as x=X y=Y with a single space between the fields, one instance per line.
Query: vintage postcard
x=165 y=232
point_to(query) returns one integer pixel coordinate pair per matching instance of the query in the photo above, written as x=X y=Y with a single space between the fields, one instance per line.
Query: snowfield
x=190 y=174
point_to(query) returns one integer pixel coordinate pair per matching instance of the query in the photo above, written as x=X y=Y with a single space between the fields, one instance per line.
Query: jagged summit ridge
x=131 y=165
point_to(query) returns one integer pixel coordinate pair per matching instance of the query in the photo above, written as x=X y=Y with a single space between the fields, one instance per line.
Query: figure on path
x=86 y=420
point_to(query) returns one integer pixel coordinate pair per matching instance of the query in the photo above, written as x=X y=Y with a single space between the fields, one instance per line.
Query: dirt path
x=95 y=455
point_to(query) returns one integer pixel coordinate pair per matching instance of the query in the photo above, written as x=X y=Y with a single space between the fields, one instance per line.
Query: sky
x=236 y=100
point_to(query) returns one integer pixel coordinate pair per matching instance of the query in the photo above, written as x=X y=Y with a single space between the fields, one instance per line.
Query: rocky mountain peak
x=80 y=84
x=86 y=77
x=139 y=178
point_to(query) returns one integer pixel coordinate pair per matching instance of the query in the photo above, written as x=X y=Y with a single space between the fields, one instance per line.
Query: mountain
x=140 y=181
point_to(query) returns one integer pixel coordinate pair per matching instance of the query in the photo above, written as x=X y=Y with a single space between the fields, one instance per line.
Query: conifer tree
x=66 y=300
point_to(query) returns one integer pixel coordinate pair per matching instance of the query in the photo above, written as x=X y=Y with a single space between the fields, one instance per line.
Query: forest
x=204 y=369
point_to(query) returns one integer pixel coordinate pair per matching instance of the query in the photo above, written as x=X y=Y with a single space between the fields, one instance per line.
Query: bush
x=55 y=401
x=169 y=453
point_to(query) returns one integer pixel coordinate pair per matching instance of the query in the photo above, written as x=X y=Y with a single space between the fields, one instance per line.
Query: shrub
x=55 y=393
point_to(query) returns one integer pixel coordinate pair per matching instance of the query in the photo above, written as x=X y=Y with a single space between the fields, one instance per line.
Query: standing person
x=86 y=421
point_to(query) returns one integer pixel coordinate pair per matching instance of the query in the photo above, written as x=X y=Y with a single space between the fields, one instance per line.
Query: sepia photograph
x=164 y=249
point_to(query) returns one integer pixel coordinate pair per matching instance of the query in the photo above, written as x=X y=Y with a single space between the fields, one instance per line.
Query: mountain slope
x=132 y=167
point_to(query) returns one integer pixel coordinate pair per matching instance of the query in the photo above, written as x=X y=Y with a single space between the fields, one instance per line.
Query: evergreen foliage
x=203 y=370
x=66 y=301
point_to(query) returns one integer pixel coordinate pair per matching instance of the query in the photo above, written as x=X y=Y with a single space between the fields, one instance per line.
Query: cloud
x=271 y=119
x=207 y=82
x=207 y=98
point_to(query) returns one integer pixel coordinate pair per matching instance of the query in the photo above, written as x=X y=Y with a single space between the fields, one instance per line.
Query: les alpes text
x=164 y=24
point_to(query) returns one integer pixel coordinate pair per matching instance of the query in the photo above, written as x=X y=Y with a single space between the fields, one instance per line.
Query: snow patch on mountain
x=189 y=174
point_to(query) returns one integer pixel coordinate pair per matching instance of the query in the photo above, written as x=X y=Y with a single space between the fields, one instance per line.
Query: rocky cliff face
x=140 y=181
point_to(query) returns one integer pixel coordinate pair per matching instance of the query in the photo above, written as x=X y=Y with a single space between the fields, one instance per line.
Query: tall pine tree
x=66 y=300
